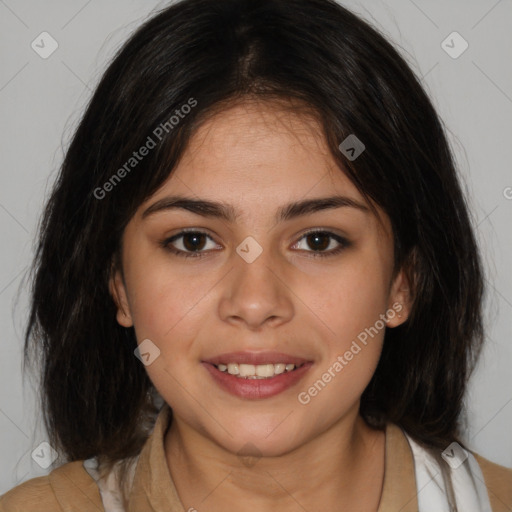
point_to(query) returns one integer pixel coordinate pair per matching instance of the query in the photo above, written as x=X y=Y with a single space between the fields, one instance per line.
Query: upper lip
x=256 y=358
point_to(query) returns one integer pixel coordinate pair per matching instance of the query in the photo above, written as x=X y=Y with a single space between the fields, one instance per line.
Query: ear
x=117 y=288
x=400 y=299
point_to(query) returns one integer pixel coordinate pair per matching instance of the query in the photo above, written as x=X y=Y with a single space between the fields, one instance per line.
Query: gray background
x=41 y=101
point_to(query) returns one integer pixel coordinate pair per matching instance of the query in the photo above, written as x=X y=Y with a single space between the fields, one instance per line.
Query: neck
x=344 y=464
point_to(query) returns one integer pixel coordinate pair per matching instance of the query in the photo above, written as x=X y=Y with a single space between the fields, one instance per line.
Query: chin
x=266 y=441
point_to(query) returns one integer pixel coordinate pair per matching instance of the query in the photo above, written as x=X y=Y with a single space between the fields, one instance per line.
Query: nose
x=256 y=294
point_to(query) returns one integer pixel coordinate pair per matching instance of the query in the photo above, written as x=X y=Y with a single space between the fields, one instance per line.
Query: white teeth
x=259 y=371
x=279 y=368
x=265 y=370
x=246 y=369
x=233 y=369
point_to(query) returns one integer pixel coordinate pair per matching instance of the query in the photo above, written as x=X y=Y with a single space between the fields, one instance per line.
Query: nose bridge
x=256 y=291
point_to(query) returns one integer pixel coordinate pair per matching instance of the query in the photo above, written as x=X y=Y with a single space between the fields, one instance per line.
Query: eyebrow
x=228 y=213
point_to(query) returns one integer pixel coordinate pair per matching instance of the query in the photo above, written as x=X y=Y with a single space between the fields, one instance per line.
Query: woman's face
x=263 y=290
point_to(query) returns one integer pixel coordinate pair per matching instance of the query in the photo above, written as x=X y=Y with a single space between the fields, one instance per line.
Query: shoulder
x=498 y=480
x=35 y=494
x=66 y=488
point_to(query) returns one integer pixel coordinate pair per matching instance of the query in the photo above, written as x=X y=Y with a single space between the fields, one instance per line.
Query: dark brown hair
x=96 y=395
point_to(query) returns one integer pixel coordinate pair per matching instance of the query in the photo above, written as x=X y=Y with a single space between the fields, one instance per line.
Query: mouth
x=260 y=371
x=256 y=375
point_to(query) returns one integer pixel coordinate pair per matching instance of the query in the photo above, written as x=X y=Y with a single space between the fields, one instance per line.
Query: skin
x=258 y=157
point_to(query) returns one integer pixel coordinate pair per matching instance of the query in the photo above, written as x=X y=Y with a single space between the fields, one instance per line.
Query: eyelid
x=168 y=240
x=343 y=242
x=340 y=239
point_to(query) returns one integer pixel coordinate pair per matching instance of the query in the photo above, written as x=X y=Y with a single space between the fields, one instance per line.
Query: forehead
x=260 y=150
x=254 y=166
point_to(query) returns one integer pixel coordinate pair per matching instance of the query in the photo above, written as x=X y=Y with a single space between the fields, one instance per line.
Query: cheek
x=158 y=300
x=347 y=303
x=347 y=299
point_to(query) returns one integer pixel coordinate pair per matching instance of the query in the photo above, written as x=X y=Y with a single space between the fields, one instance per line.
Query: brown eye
x=189 y=244
x=194 y=241
x=319 y=241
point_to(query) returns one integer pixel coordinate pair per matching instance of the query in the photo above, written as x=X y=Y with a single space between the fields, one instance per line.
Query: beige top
x=70 y=488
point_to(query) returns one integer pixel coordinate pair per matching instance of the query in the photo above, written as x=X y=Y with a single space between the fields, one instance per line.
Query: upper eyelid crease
x=228 y=213
x=342 y=240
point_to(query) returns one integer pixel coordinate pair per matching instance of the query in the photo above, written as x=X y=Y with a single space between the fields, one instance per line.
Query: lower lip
x=256 y=389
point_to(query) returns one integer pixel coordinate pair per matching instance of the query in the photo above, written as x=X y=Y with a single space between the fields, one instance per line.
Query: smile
x=243 y=381
x=260 y=371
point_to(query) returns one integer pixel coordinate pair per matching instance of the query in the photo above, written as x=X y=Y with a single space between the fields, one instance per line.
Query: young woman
x=257 y=284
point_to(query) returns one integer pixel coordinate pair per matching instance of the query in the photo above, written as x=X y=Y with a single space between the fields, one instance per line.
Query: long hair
x=320 y=58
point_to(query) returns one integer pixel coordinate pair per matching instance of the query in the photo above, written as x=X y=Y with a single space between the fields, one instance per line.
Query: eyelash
x=344 y=243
